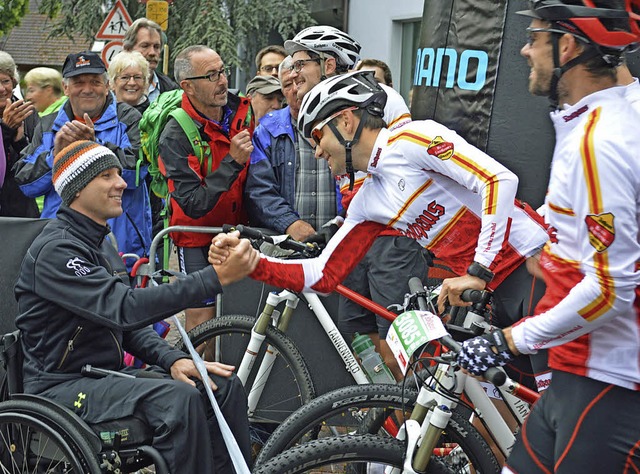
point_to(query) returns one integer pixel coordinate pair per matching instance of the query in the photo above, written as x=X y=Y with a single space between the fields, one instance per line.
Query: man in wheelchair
x=76 y=307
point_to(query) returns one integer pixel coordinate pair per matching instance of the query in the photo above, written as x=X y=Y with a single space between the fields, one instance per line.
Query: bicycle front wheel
x=344 y=454
x=346 y=410
x=288 y=385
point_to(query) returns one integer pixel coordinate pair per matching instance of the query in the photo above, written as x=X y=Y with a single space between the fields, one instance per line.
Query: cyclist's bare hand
x=185 y=371
x=452 y=288
x=241 y=147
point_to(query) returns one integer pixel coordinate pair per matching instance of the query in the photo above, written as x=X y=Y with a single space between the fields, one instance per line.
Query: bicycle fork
x=429 y=418
x=258 y=335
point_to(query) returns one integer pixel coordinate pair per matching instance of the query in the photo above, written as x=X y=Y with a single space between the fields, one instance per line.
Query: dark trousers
x=580 y=425
x=185 y=430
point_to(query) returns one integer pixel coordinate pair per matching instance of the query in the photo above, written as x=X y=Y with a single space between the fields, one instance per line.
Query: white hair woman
x=129 y=79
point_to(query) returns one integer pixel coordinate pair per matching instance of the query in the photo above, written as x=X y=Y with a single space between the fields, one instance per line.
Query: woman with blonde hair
x=129 y=78
x=44 y=90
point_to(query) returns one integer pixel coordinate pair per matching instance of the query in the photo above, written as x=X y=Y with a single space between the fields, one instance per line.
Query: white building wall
x=376 y=24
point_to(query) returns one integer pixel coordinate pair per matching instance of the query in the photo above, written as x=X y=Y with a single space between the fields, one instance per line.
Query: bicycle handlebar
x=495 y=375
x=472 y=296
x=308 y=249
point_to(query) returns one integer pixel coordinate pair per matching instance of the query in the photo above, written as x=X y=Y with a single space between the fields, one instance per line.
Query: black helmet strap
x=558 y=71
x=348 y=145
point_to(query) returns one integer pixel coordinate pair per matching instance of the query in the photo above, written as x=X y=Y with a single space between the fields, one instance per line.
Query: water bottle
x=372 y=363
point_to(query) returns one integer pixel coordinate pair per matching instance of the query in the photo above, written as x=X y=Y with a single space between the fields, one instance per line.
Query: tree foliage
x=236 y=29
x=11 y=12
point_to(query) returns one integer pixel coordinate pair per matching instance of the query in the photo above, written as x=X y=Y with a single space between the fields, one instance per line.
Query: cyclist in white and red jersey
x=425 y=181
x=589 y=318
x=323 y=51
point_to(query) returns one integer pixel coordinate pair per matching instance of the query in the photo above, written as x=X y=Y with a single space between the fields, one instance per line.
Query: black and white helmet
x=356 y=89
x=328 y=40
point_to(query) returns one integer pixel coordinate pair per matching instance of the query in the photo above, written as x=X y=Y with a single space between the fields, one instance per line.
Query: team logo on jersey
x=601 y=230
x=440 y=148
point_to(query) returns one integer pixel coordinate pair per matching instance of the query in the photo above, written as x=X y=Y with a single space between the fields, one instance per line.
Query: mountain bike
x=436 y=437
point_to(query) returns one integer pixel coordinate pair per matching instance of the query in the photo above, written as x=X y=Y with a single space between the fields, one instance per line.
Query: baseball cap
x=264 y=84
x=85 y=62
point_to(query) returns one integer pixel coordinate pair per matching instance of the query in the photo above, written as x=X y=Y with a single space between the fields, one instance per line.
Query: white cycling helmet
x=326 y=39
x=357 y=88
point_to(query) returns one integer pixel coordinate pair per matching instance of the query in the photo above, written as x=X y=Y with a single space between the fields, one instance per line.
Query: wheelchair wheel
x=36 y=439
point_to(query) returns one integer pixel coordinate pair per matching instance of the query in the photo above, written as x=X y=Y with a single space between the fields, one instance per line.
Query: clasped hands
x=233 y=258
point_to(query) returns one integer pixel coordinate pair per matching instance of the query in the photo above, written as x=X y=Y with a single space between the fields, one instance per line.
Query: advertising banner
x=469 y=75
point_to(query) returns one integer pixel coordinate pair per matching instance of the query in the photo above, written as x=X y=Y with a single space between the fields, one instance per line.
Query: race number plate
x=412 y=330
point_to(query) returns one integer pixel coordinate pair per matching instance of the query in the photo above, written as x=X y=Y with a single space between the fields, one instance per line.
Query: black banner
x=478 y=86
x=456 y=65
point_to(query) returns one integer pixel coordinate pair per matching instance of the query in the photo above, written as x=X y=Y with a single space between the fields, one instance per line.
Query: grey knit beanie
x=76 y=165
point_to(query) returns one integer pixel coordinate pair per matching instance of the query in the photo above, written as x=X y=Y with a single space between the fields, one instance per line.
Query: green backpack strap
x=200 y=146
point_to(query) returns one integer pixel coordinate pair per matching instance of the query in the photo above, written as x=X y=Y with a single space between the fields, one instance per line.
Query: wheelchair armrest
x=11 y=357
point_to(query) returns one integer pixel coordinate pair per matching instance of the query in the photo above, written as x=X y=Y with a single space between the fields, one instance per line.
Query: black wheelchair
x=38 y=435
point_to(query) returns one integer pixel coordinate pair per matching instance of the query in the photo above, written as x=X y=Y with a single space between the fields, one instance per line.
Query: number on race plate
x=410 y=331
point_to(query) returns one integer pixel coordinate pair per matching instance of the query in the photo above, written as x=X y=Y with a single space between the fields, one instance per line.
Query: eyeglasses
x=316 y=132
x=212 y=76
x=136 y=78
x=299 y=64
x=269 y=68
x=532 y=39
x=6 y=83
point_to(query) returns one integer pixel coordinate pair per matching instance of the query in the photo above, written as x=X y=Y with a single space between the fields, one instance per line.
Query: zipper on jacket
x=70 y=346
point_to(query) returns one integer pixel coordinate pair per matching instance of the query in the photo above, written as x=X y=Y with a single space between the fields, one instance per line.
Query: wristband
x=480 y=271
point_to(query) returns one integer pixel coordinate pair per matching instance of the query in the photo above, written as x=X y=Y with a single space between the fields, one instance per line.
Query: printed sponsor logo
x=601 y=230
x=491 y=236
x=543 y=381
x=433 y=65
x=424 y=222
x=401 y=185
x=553 y=234
x=374 y=163
x=82 y=62
x=440 y=148
x=575 y=114
x=542 y=344
x=77 y=266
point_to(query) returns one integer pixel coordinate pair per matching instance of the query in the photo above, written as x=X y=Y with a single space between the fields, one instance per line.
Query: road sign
x=116 y=24
x=158 y=11
x=110 y=50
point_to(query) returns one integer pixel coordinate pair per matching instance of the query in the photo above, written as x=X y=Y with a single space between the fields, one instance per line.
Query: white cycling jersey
x=430 y=184
x=590 y=315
